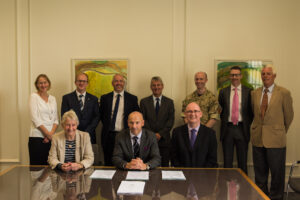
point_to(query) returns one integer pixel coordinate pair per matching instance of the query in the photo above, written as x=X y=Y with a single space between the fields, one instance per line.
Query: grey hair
x=270 y=66
x=157 y=78
x=69 y=115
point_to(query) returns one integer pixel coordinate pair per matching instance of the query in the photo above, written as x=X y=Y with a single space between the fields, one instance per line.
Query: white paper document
x=131 y=187
x=172 y=175
x=103 y=174
x=137 y=175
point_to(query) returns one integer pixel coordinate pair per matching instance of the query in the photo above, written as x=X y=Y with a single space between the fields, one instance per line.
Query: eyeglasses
x=192 y=111
x=81 y=81
x=235 y=75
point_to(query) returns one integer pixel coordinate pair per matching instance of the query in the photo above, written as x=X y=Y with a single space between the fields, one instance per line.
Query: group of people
x=138 y=136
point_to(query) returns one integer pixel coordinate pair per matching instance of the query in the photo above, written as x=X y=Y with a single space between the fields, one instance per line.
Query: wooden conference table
x=40 y=182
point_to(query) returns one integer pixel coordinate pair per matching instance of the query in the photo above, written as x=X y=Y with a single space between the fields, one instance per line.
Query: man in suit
x=136 y=148
x=158 y=112
x=273 y=114
x=205 y=99
x=236 y=118
x=114 y=110
x=194 y=145
x=85 y=106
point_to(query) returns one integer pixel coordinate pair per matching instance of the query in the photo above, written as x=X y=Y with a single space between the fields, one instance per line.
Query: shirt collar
x=269 y=88
x=78 y=93
x=139 y=135
x=238 y=87
x=154 y=98
x=121 y=93
x=197 y=128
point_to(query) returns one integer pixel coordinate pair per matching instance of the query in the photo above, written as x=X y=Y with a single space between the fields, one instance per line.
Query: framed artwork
x=100 y=73
x=250 y=70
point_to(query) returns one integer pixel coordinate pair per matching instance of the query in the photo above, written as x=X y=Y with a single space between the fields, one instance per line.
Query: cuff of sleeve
x=58 y=166
x=214 y=116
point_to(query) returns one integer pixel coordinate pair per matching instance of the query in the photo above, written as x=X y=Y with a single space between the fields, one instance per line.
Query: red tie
x=235 y=108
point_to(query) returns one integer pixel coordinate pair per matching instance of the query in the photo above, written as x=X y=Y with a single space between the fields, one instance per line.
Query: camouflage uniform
x=208 y=104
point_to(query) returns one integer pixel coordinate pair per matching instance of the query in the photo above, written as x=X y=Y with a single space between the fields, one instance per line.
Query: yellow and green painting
x=250 y=70
x=100 y=73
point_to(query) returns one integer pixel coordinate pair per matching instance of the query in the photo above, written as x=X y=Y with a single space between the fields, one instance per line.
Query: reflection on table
x=201 y=184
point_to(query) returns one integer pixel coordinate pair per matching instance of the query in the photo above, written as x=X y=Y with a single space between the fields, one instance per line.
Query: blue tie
x=114 y=117
x=193 y=137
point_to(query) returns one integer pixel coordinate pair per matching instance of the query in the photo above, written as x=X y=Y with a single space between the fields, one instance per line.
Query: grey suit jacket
x=83 y=153
x=123 y=151
x=161 y=123
x=247 y=115
x=270 y=132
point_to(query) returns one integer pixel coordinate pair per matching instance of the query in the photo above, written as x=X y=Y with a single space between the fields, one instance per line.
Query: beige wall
x=170 y=38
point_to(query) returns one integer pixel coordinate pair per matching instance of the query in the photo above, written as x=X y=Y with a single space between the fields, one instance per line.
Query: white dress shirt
x=120 y=114
x=42 y=113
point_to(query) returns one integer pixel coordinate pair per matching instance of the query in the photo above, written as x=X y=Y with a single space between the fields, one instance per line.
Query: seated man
x=136 y=148
x=194 y=145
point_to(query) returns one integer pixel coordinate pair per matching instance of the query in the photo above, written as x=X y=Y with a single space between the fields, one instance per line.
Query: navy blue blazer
x=130 y=105
x=89 y=117
x=204 y=152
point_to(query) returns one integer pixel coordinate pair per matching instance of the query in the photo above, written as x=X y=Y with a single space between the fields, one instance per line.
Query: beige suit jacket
x=271 y=131
x=83 y=153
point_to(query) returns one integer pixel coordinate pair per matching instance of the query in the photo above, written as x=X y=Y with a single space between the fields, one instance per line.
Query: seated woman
x=71 y=149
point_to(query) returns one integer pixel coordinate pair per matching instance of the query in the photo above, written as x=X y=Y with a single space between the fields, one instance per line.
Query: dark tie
x=264 y=103
x=81 y=102
x=193 y=137
x=157 y=106
x=114 y=117
x=136 y=147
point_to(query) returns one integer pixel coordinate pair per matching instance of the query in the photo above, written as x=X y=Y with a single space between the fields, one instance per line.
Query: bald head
x=193 y=114
x=135 y=122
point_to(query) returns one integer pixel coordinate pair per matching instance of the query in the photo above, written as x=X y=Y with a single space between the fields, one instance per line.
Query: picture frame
x=100 y=73
x=250 y=69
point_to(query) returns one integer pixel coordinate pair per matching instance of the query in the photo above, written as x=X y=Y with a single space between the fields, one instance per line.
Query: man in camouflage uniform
x=205 y=99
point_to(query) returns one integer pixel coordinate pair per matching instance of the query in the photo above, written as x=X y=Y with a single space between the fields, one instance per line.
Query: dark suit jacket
x=247 y=115
x=161 y=123
x=204 y=153
x=89 y=117
x=130 y=105
x=123 y=152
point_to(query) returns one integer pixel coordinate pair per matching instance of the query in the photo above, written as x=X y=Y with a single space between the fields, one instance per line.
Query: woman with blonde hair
x=43 y=110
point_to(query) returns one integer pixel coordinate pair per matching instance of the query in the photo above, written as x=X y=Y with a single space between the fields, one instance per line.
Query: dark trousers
x=165 y=155
x=273 y=159
x=108 y=148
x=38 y=151
x=235 y=137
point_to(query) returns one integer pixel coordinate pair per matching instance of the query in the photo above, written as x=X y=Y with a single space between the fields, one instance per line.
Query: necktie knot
x=80 y=96
x=135 y=138
x=266 y=90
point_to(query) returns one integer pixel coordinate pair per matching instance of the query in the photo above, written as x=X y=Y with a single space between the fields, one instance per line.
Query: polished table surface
x=40 y=182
